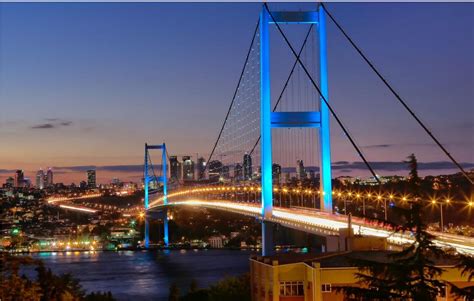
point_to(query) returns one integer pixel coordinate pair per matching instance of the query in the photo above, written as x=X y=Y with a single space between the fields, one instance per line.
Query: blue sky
x=89 y=83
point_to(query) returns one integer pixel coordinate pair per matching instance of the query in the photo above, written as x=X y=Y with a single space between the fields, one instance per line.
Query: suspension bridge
x=261 y=134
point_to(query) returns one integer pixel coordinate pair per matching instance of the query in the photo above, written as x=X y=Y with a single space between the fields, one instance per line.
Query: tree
x=414 y=179
x=409 y=274
x=12 y=286
x=174 y=293
x=48 y=286
x=99 y=296
x=56 y=287
x=193 y=287
x=231 y=289
x=466 y=264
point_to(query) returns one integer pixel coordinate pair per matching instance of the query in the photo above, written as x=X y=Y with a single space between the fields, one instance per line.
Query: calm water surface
x=147 y=275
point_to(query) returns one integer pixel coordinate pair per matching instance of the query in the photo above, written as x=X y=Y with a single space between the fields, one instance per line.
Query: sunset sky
x=87 y=84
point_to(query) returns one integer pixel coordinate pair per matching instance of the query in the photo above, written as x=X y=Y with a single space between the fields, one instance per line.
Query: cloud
x=379 y=146
x=398 y=145
x=52 y=123
x=114 y=168
x=385 y=166
x=43 y=126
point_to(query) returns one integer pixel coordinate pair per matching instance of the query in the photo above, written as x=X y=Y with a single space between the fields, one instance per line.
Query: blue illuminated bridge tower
x=309 y=119
x=147 y=178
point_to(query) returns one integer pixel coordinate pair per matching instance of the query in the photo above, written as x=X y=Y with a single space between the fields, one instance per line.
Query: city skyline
x=96 y=104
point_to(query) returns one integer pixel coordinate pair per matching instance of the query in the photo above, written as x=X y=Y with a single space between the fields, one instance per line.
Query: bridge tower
x=269 y=119
x=162 y=179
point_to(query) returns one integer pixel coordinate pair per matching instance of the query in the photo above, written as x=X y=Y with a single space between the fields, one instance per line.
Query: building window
x=326 y=288
x=291 y=288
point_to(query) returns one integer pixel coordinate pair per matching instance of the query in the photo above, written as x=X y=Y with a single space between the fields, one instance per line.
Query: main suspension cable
x=397 y=96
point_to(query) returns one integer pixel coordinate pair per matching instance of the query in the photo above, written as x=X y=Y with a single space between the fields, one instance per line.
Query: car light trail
x=65 y=199
x=321 y=222
x=78 y=208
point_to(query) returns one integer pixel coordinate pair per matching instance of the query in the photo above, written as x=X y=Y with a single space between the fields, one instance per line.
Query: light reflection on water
x=147 y=274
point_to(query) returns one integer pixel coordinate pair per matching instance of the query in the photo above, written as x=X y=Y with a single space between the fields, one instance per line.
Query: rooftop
x=340 y=259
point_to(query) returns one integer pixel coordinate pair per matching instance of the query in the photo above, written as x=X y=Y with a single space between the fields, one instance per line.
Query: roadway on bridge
x=322 y=223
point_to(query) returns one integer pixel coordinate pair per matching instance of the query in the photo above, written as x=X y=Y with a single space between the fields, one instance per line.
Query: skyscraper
x=188 y=168
x=215 y=168
x=201 y=168
x=91 y=178
x=238 y=172
x=19 y=178
x=175 y=168
x=247 y=167
x=49 y=178
x=9 y=183
x=225 y=174
x=40 y=179
x=300 y=172
x=276 y=173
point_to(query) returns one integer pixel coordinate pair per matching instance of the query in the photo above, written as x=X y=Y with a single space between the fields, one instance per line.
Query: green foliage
x=410 y=274
x=47 y=286
x=229 y=289
x=414 y=179
x=174 y=293
x=99 y=296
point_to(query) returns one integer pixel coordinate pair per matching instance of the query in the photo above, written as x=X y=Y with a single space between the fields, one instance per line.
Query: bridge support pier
x=147 y=233
x=267 y=238
x=165 y=228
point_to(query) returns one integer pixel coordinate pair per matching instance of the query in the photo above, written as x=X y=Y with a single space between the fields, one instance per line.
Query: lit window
x=326 y=288
x=291 y=288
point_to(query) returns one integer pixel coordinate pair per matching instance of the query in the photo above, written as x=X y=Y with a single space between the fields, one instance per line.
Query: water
x=147 y=275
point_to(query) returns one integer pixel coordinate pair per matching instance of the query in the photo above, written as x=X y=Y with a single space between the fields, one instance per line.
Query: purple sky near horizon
x=90 y=83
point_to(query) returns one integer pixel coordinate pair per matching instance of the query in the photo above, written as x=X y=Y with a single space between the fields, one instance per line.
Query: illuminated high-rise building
x=300 y=171
x=49 y=178
x=247 y=167
x=225 y=173
x=19 y=178
x=276 y=173
x=188 y=168
x=40 y=177
x=201 y=168
x=238 y=172
x=175 y=168
x=215 y=168
x=9 y=183
x=91 y=178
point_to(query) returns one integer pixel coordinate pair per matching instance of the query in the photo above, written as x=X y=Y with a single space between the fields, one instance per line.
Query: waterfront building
x=216 y=242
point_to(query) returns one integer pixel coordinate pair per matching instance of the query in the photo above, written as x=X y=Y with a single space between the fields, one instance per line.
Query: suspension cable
x=235 y=94
x=323 y=97
x=397 y=96
x=287 y=81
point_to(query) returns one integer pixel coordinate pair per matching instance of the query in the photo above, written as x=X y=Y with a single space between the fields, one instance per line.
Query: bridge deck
x=322 y=223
